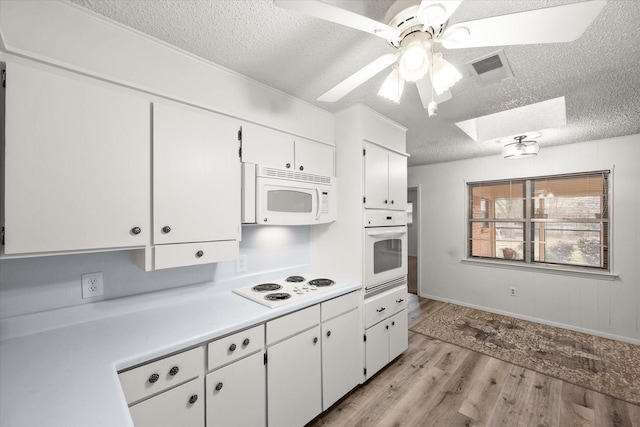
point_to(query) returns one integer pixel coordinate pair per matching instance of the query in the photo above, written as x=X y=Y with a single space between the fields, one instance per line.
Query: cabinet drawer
x=384 y=305
x=178 y=255
x=292 y=324
x=339 y=305
x=157 y=376
x=182 y=406
x=236 y=346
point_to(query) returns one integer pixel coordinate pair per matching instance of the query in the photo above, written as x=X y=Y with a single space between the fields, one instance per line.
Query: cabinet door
x=236 y=394
x=377 y=348
x=196 y=176
x=294 y=380
x=77 y=164
x=267 y=147
x=181 y=406
x=341 y=356
x=376 y=177
x=398 y=334
x=397 y=182
x=313 y=157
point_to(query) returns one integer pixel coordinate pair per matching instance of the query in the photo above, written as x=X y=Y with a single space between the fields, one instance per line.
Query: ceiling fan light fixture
x=414 y=57
x=444 y=74
x=520 y=149
x=392 y=86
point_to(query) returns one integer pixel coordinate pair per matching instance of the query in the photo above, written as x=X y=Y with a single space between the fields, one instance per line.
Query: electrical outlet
x=513 y=292
x=241 y=264
x=92 y=285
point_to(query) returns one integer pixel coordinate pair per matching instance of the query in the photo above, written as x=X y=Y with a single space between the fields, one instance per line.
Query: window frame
x=527 y=261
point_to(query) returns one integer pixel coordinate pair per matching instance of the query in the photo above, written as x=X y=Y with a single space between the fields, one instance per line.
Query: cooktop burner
x=267 y=287
x=321 y=282
x=277 y=296
x=295 y=279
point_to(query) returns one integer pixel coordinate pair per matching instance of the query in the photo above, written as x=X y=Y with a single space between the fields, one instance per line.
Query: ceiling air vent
x=491 y=68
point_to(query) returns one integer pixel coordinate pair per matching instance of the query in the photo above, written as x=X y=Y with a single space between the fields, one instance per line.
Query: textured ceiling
x=598 y=74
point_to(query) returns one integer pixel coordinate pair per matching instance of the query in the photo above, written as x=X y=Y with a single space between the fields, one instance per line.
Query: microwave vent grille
x=298 y=176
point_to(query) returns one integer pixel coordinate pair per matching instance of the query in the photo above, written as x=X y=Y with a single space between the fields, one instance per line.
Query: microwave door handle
x=319 y=203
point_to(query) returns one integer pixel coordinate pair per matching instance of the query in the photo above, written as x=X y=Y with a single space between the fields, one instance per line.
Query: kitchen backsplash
x=31 y=285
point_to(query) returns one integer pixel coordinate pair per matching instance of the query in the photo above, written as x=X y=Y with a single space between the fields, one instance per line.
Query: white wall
x=31 y=285
x=602 y=307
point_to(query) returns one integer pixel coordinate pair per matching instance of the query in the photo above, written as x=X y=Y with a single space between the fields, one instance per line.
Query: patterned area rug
x=606 y=366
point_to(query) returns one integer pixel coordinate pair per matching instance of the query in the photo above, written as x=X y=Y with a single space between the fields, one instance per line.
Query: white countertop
x=67 y=376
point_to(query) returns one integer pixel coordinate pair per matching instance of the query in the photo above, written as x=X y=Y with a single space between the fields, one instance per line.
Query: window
x=557 y=220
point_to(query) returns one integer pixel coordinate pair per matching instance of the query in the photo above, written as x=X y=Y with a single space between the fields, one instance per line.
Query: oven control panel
x=382 y=218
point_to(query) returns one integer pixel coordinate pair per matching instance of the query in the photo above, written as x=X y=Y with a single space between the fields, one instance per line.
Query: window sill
x=541 y=269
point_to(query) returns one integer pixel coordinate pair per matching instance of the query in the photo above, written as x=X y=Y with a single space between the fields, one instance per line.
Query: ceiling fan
x=414 y=26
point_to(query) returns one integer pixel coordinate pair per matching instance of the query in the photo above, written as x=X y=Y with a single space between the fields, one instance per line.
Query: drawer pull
x=399 y=300
x=232 y=347
x=328 y=333
x=136 y=230
x=219 y=386
x=386 y=327
x=173 y=371
x=301 y=168
x=199 y=254
x=193 y=399
x=315 y=340
x=153 y=378
x=288 y=165
x=381 y=309
x=246 y=342
x=166 y=229
x=393 y=323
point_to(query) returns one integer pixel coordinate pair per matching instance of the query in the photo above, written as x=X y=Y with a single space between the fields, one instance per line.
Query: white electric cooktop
x=275 y=293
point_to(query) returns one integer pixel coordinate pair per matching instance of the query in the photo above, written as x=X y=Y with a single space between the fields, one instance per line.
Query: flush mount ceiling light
x=520 y=149
x=409 y=20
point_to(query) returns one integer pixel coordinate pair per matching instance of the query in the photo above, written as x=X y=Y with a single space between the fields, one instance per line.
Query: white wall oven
x=386 y=249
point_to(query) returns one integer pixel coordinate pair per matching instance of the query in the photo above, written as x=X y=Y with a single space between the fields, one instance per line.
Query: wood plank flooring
x=439 y=384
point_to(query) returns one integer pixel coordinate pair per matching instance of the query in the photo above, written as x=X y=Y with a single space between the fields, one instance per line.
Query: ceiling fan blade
x=424 y=90
x=340 y=16
x=359 y=77
x=435 y=12
x=557 y=24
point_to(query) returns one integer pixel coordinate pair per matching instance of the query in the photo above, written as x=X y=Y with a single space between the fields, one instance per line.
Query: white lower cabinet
x=313 y=358
x=236 y=394
x=294 y=395
x=386 y=328
x=385 y=341
x=341 y=349
x=180 y=406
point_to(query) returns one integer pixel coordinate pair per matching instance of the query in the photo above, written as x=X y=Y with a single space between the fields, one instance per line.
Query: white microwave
x=282 y=197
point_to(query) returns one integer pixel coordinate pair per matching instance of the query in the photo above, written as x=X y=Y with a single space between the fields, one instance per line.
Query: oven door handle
x=386 y=232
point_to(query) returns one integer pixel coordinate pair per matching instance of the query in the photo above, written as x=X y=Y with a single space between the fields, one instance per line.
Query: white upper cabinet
x=279 y=150
x=76 y=163
x=385 y=179
x=196 y=176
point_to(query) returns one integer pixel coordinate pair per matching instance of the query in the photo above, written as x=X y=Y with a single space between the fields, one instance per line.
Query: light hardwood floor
x=439 y=384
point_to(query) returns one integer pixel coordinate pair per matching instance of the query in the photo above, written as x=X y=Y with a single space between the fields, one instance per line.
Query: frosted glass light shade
x=414 y=60
x=444 y=75
x=520 y=150
x=392 y=86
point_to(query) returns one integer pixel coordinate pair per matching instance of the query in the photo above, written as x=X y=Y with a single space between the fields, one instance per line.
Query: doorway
x=413 y=228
